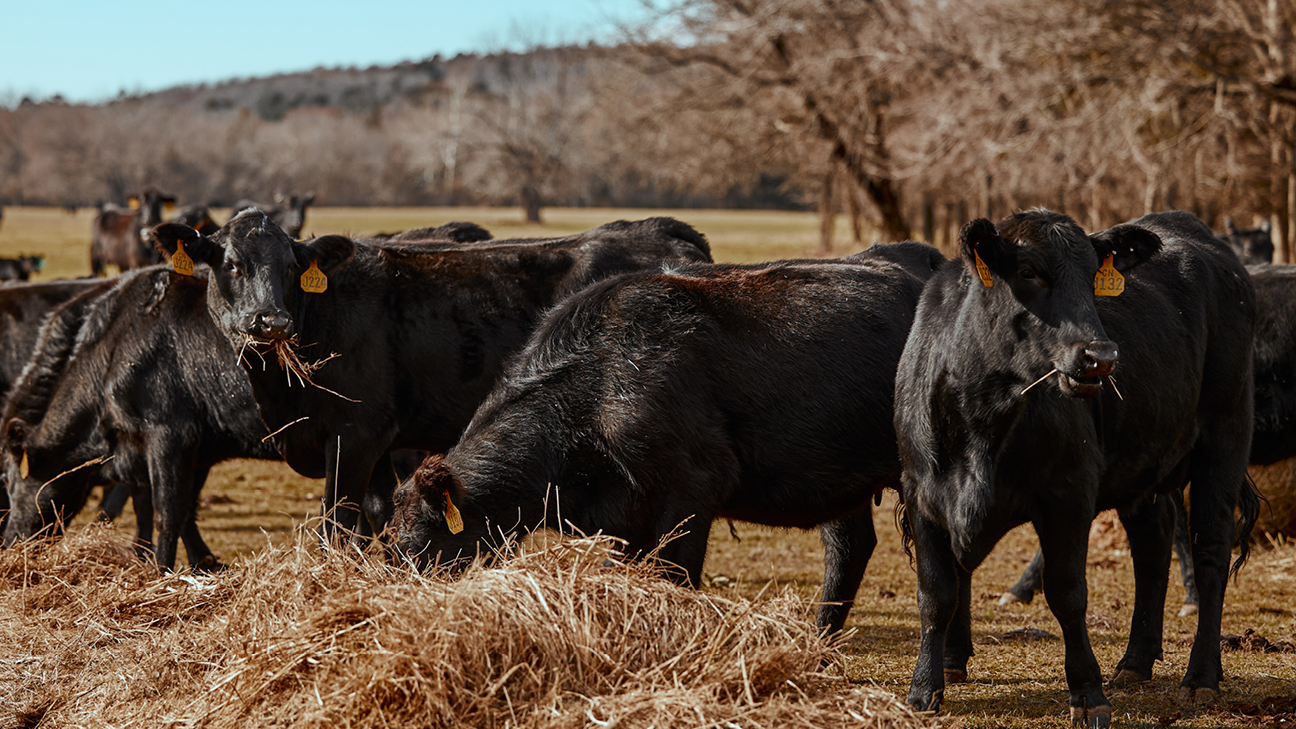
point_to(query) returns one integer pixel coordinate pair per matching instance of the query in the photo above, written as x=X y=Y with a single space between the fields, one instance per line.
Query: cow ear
x=198 y=247
x=434 y=479
x=309 y=199
x=980 y=239
x=329 y=251
x=16 y=434
x=1129 y=245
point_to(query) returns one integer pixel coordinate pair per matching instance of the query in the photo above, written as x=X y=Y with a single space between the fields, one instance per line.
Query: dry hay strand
x=289 y=360
x=294 y=636
x=1277 y=483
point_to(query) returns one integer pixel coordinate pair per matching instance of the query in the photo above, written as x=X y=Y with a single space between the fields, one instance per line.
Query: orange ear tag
x=180 y=261
x=134 y=203
x=313 y=280
x=1108 y=281
x=983 y=271
x=23 y=469
x=453 y=520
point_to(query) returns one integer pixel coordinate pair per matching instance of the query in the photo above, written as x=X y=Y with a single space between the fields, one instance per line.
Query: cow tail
x=906 y=532
x=1250 y=506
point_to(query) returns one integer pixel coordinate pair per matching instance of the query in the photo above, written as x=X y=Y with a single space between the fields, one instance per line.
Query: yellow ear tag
x=180 y=261
x=1108 y=281
x=313 y=281
x=134 y=203
x=453 y=520
x=983 y=271
x=22 y=467
x=168 y=207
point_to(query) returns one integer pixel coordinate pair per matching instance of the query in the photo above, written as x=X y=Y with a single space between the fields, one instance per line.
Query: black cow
x=421 y=333
x=661 y=400
x=1252 y=246
x=290 y=216
x=197 y=217
x=457 y=231
x=1274 y=436
x=23 y=308
x=139 y=373
x=117 y=235
x=1003 y=418
x=21 y=268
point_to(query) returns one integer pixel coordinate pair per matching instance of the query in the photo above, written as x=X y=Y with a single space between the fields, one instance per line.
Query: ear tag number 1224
x=983 y=271
x=181 y=261
x=313 y=280
x=1108 y=281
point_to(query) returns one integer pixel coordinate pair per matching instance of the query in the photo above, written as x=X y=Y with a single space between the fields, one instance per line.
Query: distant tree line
x=906 y=116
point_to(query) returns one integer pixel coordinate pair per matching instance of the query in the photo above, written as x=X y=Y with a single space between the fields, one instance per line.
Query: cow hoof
x=1009 y=599
x=209 y=564
x=1125 y=677
x=955 y=675
x=1098 y=716
x=1199 y=696
x=932 y=703
x=1187 y=609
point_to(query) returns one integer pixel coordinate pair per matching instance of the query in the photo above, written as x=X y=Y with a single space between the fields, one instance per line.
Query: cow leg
x=200 y=555
x=848 y=545
x=349 y=468
x=1183 y=551
x=114 y=500
x=171 y=472
x=142 y=498
x=685 y=554
x=1150 y=528
x=1031 y=582
x=1065 y=541
x=958 y=641
x=378 y=507
x=938 y=593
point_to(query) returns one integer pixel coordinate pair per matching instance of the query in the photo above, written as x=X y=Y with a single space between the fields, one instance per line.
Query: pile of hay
x=293 y=637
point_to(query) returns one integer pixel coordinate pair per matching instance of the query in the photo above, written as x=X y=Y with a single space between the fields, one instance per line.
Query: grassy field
x=248 y=505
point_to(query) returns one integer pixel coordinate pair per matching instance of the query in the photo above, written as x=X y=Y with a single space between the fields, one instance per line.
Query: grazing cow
x=141 y=374
x=291 y=216
x=117 y=235
x=661 y=400
x=1273 y=438
x=21 y=268
x=457 y=231
x=23 y=308
x=1003 y=417
x=421 y=334
x=197 y=217
x=1253 y=246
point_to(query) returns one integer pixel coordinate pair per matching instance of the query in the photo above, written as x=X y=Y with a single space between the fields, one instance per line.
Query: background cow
x=290 y=215
x=117 y=235
x=657 y=401
x=457 y=231
x=21 y=268
x=1253 y=246
x=1003 y=417
x=421 y=335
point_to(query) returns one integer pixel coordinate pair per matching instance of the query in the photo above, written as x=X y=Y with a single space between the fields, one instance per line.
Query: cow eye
x=1028 y=273
x=231 y=266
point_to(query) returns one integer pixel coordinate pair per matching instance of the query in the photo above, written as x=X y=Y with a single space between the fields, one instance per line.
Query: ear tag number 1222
x=313 y=280
x=1108 y=281
x=181 y=261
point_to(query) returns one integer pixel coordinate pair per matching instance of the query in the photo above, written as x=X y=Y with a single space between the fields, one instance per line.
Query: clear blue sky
x=88 y=50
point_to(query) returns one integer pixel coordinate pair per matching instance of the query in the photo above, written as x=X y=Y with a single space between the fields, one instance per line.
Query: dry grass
x=293 y=637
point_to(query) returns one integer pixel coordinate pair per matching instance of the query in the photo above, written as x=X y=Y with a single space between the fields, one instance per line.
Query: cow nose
x=1100 y=359
x=272 y=325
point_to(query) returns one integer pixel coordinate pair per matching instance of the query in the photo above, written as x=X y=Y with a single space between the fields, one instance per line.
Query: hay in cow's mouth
x=291 y=362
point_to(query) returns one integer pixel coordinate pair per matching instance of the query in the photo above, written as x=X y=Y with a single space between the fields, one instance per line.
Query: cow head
x=255 y=271
x=46 y=496
x=1040 y=308
x=294 y=216
x=420 y=519
x=1252 y=246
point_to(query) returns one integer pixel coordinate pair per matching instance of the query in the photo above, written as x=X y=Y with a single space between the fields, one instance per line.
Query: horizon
x=94 y=62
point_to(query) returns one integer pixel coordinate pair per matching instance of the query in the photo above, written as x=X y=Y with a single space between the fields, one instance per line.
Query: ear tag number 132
x=1108 y=281
x=313 y=280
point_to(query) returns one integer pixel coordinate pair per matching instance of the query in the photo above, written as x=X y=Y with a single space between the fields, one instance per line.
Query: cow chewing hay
x=289 y=361
x=296 y=637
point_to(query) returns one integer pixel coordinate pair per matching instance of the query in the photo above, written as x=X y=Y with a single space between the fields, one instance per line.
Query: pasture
x=252 y=513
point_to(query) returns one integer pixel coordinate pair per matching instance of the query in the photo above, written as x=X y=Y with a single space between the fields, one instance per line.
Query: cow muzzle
x=1089 y=363
x=270 y=325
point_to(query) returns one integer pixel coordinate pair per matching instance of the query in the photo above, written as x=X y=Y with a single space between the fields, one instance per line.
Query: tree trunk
x=531 y=203
x=929 y=220
x=827 y=212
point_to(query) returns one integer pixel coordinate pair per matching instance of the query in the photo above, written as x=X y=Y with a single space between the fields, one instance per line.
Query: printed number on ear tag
x=180 y=261
x=1108 y=281
x=313 y=280
x=23 y=469
x=983 y=271
x=453 y=520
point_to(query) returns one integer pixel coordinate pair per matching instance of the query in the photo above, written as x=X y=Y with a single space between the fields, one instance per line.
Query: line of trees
x=907 y=116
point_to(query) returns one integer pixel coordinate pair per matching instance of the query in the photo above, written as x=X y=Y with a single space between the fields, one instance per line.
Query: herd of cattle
x=619 y=381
